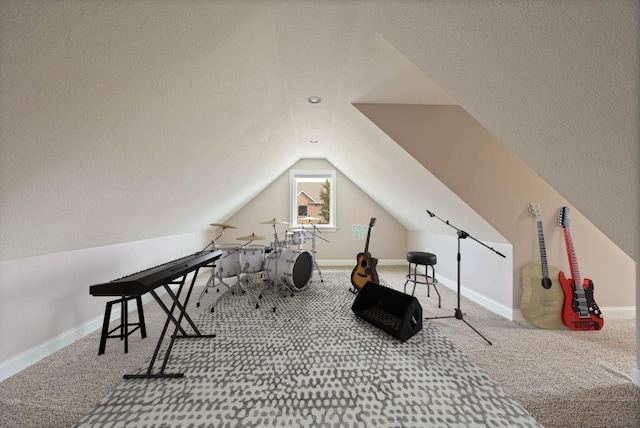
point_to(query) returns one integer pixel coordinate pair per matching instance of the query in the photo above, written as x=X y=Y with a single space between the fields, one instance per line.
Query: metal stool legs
x=427 y=260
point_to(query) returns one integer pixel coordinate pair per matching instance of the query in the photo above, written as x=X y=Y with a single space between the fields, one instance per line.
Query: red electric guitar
x=580 y=311
x=365 y=269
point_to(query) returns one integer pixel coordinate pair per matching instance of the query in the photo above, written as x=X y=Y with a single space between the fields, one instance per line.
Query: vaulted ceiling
x=113 y=113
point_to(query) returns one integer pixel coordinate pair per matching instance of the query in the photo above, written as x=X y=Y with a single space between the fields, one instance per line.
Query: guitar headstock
x=372 y=222
x=535 y=210
x=563 y=217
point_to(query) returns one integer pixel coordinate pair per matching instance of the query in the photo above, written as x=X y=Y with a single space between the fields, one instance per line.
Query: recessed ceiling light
x=314 y=100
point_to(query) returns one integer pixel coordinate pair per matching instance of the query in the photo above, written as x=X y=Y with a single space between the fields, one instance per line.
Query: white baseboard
x=352 y=263
x=31 y=356
x=25 y=359
x=619 y=313
x=492 y=305
x=610 y=313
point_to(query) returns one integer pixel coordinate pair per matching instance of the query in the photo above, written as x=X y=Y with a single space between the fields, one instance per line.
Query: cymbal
x=252 y=237
x=309 y=218
x=274 y=221
x=223 y=226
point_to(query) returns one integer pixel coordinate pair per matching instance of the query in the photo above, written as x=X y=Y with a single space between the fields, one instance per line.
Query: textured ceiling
x=104 y=103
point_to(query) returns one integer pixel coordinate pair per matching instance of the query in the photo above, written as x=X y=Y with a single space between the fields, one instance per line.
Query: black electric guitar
x=542 y=296
x=365 y=269
x=580 y=311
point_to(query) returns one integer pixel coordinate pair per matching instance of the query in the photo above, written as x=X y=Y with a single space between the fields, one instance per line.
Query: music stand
x=458 y=312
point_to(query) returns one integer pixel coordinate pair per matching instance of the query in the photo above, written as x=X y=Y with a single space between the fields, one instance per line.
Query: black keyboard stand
x=177 y=308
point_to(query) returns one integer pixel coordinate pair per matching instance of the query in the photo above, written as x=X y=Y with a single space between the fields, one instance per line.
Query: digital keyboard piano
x=173 y=273
x=142 y=282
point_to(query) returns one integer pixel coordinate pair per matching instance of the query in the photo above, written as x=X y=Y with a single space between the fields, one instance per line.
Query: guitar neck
x=543 y=251
x=366 y=246
x=573 y=260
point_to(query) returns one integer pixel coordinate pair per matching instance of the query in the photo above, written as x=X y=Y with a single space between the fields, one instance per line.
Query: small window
x=312 y=199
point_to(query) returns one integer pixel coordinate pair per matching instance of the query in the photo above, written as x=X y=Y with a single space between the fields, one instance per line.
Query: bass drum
x=294 y=267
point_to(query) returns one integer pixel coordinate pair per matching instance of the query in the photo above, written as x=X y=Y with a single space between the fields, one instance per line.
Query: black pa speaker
x=395 y=312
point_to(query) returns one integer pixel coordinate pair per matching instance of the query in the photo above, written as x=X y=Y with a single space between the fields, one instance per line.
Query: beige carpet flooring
x=563 y=378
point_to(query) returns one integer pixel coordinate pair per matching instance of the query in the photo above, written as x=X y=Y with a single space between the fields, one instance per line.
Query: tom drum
x=252 y=258
x=298 y=237
x=227 y=265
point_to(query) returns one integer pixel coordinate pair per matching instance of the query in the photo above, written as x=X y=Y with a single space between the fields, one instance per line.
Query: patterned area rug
x=309 y=362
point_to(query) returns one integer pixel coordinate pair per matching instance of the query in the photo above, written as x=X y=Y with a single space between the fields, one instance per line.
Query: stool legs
x=428 y=280
x=105 y=328
x=143 y=328
x=123 y=328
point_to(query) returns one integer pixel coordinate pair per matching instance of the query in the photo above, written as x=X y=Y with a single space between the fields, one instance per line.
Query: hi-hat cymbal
x=309 y=218
x=274 y=221
x=252 y=237
x=223 y=226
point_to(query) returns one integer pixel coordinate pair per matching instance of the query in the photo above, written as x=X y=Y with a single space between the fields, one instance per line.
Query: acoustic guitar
x=579 y=311
x=542 y=298
x=365 y=269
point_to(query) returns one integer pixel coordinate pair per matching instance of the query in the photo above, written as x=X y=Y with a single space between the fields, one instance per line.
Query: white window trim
x=295 y=174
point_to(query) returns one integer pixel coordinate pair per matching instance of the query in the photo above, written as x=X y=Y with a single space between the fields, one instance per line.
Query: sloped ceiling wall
x=556 y=82
x=122 y=121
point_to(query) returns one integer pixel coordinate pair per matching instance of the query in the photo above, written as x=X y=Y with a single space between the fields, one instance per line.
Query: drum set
x=284 y=265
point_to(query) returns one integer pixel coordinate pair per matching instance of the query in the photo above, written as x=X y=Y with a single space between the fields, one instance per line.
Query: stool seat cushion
x=421 y=258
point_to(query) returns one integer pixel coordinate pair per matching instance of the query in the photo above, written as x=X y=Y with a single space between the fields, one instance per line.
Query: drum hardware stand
x=244 y=278
x=252 y=237
x=211 y=281
x=231 y=287
x=458 y=311
x=313 y=249
x=278 y=286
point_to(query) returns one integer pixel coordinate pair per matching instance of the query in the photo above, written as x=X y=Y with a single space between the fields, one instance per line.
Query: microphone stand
x=458 y=312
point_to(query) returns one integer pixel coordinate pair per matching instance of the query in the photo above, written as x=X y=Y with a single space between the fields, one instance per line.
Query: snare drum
x=252 y=258
x=298 y=237
x=294 y=267
x=227 y=264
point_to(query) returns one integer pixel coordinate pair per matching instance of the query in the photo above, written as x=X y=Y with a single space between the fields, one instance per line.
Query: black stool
x=123 y=329
x=428 y=260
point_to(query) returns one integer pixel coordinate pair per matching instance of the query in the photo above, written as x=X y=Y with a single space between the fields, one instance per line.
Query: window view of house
x=312 y=198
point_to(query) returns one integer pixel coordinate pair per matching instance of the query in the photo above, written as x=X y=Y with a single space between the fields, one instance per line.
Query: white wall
x=45 y=302
x=485 y=277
